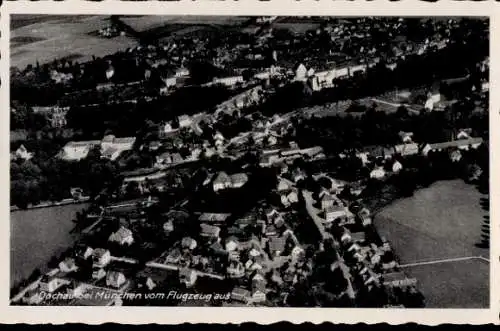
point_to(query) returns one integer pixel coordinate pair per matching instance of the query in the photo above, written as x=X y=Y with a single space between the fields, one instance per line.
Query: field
x=440 y=222
x=459 y=284
x=146 y=23
x=47 y=38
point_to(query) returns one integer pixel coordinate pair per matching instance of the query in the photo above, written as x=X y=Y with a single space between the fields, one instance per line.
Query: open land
x=440 y=222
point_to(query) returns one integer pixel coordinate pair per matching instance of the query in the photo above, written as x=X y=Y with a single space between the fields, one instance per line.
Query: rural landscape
x=257 y=161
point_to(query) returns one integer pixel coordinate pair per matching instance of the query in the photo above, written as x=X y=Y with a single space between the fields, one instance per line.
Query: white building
x=228 y=81
x=377 y=173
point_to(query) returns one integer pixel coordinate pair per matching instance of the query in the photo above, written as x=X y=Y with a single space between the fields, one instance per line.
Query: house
x=432 y=100
x=271 y=213
x=187 y=276
x=301 y=72
x=217 y=248
x=209 y=231
x=464 y=133
x=68 y=265
x=174 y=256
x=406 y=149
x=406 y=137
x=98 y=273
x=455 y=156
x=51 y=284
x=112 y=147
x=22 y=153
x=32 y=297
x=334 y=212
x=123 y=236
x=214 y=218
x=240 y=294
x=253 y=253
x=463 y=144
x=396 y=167
x=77 y=150
x=101 y=257
x=235 y=269
x=222 y=181
x=168 y=227
x=184 y=121
x=297 y=252
x=276 y=245
x=298 y=175
x=182 y=72
x=228 y=81
x=231 y=244
x=189 y=243
x=238 y=180
x=327 y=201
x=377 y=173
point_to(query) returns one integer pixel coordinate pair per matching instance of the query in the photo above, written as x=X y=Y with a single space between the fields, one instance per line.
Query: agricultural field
x=56 y=37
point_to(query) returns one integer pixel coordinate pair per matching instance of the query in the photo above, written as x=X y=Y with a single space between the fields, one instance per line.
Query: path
x=456 y=259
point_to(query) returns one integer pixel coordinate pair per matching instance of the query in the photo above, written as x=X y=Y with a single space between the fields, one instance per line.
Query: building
x=235 y=269
x=185 y=121
x=68 y=265
x=51 y=284
x=231 y=244
x=397 y=166
x=334 y=212
x=229 y=81
x=168 y=227
x=98 y=273
x=327 y=201
x=189 y=243
x=463 y=144
x=241 y=295
x=22 y=153
x=406 y=137
x=276 y=245
x=188 y=277
x=238 y=180
x=213 y=218
x=101 y=257
x=301 y=72
x=123 y=236
x=222 y=181
x=377 y=173
x=407 y=149
x=209 y=231
x=432 y=101
x=115 y=279
x=182 y=72
x=77 y=150
x=111 y=147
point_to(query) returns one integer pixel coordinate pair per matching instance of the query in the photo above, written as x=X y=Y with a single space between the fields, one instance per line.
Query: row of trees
x=38 y=180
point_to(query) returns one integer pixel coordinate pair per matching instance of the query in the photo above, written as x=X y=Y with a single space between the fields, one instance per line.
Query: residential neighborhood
x=259 y=161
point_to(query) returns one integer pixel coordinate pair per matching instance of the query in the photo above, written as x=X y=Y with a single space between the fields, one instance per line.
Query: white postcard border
x=176 y=315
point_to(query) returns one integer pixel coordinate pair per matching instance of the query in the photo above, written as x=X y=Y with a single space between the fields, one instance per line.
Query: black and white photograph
x=249 y=161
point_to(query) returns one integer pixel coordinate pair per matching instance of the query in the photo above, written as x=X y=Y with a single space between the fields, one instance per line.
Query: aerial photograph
x=249 y=161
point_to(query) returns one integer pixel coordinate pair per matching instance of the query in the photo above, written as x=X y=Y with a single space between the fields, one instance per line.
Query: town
x=251 y=156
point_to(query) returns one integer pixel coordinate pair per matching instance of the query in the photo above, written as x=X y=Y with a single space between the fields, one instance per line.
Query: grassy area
x=463 y=284
x=56 y=37
x=442 y=221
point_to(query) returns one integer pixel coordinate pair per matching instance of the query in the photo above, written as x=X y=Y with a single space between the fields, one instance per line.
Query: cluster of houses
x=110 y=147
x=65 y=283
x=385 y=160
